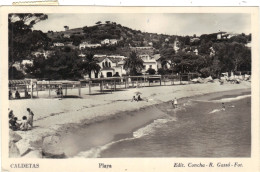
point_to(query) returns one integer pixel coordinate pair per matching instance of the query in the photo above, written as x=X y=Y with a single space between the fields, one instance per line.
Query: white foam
x=232 y=98
x=216 y=110
x=96 y=151
x=151 y=127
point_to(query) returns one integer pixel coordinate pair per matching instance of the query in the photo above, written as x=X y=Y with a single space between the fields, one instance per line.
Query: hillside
x=99 y=32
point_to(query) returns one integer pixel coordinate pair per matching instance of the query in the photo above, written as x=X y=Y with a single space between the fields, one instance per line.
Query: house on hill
x=58 y=44
x=66 y=36
x=87 y=45
x=109 y=42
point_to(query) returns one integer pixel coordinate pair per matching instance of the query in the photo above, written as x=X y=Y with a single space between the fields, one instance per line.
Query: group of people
x=137 y=98
x=17 y=94
x=25 y=124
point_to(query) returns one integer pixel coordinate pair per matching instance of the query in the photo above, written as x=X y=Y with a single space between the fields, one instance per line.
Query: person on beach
x=17 y=95
x=10 y=94
x=175 y=103
x=133 y=99
x=139 y=98
x=26 y=94
x=11 y=118
x=14 y=125
x=24 y=124
x=223 y=106
x=30 y=117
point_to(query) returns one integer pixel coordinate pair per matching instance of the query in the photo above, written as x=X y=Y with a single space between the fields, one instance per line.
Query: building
x=109 y=42
x=87 y=45
x=110 y=66
x=58 y=44
x=82 y=55
x=149 y=63
x=176 y=45
x=66 y=36
x=105 y=42
x=46 y=54
x=196 y=51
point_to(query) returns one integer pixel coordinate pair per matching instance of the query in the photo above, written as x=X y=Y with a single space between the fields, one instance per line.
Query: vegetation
x=213 y=56
x=133 y=64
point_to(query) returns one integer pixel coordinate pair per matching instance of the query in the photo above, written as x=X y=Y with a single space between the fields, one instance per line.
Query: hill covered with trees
x=207 y=55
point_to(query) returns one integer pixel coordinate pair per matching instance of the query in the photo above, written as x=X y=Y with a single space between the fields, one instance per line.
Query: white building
x=176 y=45
x=196 y=51
x=109 y=67
x=58 y=44
x=148 y=63
x=87 y=45
x=66 y=36
x=105 y=41
x=28 y=62
x=109 y=42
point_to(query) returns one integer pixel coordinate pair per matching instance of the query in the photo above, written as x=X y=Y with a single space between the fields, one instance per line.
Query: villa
x=58 y=44
x=110 y=66
x=87 y=45
x=149 y=63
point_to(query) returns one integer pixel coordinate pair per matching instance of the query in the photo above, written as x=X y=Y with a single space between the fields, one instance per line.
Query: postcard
x=130 y=88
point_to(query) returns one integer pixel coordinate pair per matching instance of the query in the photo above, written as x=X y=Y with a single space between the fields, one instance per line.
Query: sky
x=161 y=23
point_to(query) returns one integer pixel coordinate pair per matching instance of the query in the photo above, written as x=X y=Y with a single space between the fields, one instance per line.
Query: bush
x=205 y=72
x=162 y=71
x=151 y=71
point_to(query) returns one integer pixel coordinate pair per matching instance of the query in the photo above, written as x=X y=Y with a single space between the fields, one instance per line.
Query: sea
x=199 y=127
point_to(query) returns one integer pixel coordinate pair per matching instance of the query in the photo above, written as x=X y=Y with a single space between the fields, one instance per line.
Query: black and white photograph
x=120 y=85
x=129 y=85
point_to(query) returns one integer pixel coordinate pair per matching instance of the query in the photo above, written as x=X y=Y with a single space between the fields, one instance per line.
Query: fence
x=92 y=86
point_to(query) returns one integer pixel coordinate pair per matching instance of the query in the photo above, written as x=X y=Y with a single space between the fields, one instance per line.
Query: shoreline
x=54 y=133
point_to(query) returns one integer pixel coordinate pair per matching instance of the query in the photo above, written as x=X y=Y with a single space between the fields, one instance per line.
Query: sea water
x=198 y=128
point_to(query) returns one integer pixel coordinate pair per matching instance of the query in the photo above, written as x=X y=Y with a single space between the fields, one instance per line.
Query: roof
x=113 y=60
x=157 y=56
x=24 y=81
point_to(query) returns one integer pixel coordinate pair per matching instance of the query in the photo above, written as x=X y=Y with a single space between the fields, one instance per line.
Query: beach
x=56 y=119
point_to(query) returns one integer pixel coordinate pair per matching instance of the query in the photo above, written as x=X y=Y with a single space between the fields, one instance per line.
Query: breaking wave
x=232 y=98
x=96 y=151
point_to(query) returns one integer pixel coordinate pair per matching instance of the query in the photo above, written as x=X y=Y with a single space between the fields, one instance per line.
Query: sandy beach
x=54 y=117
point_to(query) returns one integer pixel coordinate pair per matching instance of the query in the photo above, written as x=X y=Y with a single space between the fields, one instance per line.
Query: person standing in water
x=175 y=103
x=223 y=106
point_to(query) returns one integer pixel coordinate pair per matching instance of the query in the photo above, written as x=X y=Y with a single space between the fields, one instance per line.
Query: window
x=150 y=66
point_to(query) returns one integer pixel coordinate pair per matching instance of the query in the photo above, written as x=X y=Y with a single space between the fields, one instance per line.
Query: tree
x=89 y=64
x=66 y=27
x=15 y=74
x=60 y=65
x=99 y=22
x=21 y=39
x=167 y=56
x=134 y=64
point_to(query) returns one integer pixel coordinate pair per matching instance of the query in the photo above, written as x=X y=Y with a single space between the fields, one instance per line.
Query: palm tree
x=134 y=64
x=89 y=64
